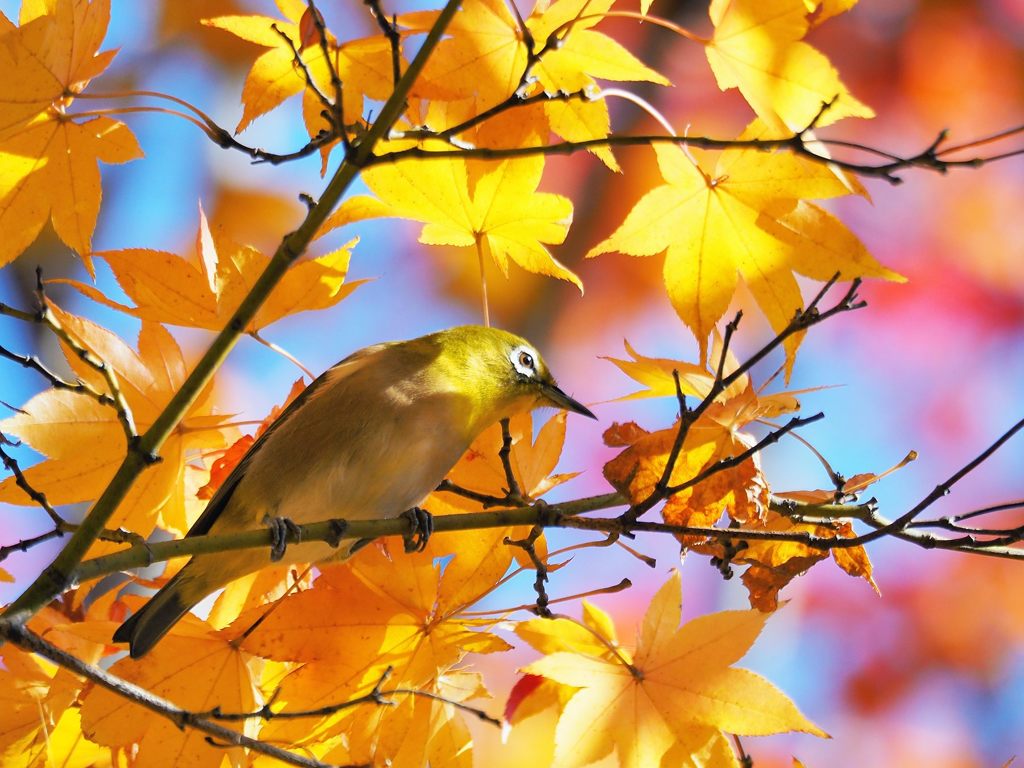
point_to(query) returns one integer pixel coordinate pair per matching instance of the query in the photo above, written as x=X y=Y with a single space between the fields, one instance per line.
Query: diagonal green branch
x=56 y=576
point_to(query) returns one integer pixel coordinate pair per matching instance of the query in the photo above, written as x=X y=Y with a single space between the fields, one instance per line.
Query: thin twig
x=514 y=492
x=297 y=59
x=484 y=499
x=390 y=31
x=734 y=461
x=26 y=544
x=78 y=386
x=1003 y=507
x=802 y=320
x=528 y=546
x=120 y=405
x=11 y=465
x=622 y=585
x=378 y=695
x=113 y=397
x=337 y=109
x=745 y=760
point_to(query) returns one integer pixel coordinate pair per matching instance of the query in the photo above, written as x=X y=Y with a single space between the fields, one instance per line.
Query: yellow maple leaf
x=502 y=217
x=364 y=66
x=657 y=374
x=66 y=745
x=533 y=461
x=24 y=689
x=675 y=692
x=595 y=636
x=484 y=60
x=735 y=406
x=61 y=182
x=748 y=217
x=413 y=731
x=484 y=56
x=758 y=48
x=204 y=289
x=584 y=54
x=50 y=56
x=193 y=667
x=84 y=441
x=822 y=10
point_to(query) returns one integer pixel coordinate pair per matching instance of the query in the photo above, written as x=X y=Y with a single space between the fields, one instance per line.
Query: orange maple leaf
x=773 y=564
x=533 y=461
x=401 y=612
x=741 y=491
x=41 y=723
x=193 y=667
x=203 y=290
x=50 y=56
x=223 y=466
x=84 y=441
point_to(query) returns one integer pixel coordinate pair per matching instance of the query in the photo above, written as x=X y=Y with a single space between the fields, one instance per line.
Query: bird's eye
x=524 y=362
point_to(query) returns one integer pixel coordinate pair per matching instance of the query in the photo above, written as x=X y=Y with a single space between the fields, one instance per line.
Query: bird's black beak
x=558 y=398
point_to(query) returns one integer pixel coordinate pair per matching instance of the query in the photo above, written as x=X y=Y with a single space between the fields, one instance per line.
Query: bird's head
x=503 y=373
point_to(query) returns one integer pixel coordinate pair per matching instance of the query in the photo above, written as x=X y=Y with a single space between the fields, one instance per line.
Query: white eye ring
x=524 y=360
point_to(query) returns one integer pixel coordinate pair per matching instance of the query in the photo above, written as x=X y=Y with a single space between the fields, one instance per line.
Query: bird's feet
x=280 y=528
x=421 y=525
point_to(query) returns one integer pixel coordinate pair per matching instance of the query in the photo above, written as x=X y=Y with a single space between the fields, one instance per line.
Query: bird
x=368 y=439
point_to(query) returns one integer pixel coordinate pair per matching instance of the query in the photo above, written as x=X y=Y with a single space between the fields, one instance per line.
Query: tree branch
x=11 y=465
x=899 y=525
x=563 y=515
x=928 y=158
x=805 y=318
x=55 y=577
x=541 y=568
x=377 y=696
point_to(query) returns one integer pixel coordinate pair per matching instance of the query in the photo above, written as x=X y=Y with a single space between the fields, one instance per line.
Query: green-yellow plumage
x=369 y=439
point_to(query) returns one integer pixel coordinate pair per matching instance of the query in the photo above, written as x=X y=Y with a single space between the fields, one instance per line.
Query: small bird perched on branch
x=369 y=439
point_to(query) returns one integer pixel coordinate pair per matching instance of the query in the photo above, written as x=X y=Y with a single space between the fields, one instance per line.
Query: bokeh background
x=931 y=673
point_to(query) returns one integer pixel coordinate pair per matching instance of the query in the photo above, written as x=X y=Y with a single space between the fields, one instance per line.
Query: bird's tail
x=146 y=626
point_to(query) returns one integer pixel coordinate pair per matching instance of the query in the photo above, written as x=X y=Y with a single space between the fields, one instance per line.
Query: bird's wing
x=223 y=495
